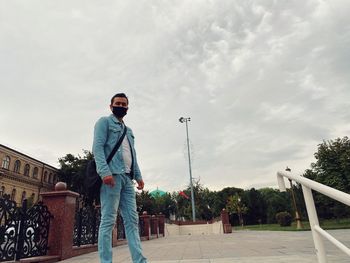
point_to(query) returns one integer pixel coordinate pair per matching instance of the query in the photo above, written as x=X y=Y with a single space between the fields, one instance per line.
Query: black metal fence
x=86 y=226
x=23 y=232
x=120 y=228
x=142 y=231
x=87 y=221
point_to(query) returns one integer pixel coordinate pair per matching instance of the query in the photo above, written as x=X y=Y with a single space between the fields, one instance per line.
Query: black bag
x=93 y=181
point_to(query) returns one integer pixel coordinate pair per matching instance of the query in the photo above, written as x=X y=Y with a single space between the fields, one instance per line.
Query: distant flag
x=182 y=193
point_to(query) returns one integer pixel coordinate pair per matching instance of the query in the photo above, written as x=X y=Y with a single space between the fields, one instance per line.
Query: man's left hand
x=140 y=184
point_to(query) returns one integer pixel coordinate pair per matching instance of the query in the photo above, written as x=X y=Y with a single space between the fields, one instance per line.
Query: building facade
x=23 y=177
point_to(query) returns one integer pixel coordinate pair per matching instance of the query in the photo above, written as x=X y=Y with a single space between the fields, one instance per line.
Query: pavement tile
x=238 y=247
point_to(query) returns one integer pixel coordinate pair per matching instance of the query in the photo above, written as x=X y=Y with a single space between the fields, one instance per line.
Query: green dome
x=157 y=193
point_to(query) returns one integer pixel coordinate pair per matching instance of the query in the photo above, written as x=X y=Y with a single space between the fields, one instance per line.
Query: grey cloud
x=264 y=82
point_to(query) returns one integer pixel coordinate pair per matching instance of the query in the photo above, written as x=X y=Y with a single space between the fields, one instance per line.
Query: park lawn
x=325 y=224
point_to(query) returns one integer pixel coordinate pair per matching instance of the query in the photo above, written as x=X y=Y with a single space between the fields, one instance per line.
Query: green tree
x=332 y=168
x=224 y=194
x=236 y=206
x=275 y=201
x=203 y=203
x=145 y=203
x=256 y=207
x=183 y=207
x=72 y=170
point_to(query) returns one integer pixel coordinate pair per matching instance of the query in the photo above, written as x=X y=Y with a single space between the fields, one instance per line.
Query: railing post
x=161 y=223
x=61 y=204
x=313 y=219
x=225 y=219
x=146 y=225
x=154 y=226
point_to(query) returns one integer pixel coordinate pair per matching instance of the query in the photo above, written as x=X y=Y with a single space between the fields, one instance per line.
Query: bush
x=284 y=218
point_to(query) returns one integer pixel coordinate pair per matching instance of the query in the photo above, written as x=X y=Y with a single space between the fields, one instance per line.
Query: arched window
x=26 y=170
x=45 y=176
x=24 y=194
x=32 y=197
x=50 y=178
x=17 y=166
x=35 y=172
x=13 y=195
x=6 y=162
x=2 y=191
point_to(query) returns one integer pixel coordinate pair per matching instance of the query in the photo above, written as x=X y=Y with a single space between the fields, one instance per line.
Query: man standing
x=117 y=189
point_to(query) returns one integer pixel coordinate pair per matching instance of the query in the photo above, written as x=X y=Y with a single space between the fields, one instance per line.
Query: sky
x=264 y=82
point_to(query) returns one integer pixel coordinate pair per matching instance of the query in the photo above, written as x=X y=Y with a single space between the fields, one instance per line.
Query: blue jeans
x=122 y=195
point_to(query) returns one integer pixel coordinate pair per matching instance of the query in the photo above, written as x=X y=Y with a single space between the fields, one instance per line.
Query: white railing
x=317 y=232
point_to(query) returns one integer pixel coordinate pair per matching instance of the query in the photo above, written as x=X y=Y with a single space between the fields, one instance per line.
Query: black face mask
x=119 y=112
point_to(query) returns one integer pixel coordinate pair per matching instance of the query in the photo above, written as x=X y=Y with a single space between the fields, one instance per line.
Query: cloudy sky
x=264 y=82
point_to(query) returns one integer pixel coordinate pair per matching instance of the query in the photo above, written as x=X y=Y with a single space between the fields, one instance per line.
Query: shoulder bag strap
x=117 y=145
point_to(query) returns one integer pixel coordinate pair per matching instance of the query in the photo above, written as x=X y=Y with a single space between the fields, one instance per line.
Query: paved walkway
x=240 y=247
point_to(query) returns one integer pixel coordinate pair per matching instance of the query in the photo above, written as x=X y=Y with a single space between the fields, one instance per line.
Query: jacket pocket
x=114 y=132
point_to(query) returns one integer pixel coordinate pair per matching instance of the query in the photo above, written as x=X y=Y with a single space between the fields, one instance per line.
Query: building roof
x=15 y=151
x=157 y=193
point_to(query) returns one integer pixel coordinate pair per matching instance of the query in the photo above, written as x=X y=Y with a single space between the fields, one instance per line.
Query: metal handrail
x=317 y=232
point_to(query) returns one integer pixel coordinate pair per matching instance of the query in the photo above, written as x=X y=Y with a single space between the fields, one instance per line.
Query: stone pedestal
x=161 y=223
x=225 y=219
x=61 y=205
x=146 y=226
x=154 y=226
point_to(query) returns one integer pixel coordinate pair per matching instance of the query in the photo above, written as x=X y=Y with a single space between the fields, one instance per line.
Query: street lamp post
x=297 y=217
x=185 y=120
x=239 y=210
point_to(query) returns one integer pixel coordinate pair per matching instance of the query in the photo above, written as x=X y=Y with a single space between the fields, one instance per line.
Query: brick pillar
x=225 y=219
x=161 y=222
x=154 y=226
x=146 y=225
x=61 y=205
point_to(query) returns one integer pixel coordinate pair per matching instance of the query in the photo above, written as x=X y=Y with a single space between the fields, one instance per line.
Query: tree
x=145 y=203
x=236 y=206
x=72 y=170
x=332 y=168
x=183 y=205
x=223 y=196
x=256 y=207
x=276 y=201
x=205 y=202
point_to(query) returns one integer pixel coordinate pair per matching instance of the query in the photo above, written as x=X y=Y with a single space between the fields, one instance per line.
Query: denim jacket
x=106 y=134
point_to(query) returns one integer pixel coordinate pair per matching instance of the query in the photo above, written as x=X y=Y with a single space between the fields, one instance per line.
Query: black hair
x=122 y=95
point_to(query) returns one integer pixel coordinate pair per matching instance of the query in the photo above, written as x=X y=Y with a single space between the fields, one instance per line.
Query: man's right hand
x=109 y=180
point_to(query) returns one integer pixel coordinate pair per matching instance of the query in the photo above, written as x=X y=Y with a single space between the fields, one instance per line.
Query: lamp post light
x=239 y=210
x=297 y=217
x=185 y=120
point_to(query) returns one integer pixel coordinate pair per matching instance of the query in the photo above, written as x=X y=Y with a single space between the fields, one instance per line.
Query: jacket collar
x=116 y=120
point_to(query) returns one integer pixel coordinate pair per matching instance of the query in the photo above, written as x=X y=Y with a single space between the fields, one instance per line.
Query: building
x=23 y=177
x=157 y=193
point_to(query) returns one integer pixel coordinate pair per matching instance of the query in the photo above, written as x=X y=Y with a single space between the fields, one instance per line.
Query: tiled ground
x=240 y=247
